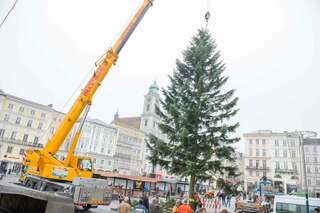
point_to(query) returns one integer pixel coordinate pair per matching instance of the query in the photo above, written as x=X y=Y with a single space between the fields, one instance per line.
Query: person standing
x=176 y=206
x=184 y=208
x=228 y=203
x=145 y=200
x=140 y=208
x=154 y=206
x=124 y=207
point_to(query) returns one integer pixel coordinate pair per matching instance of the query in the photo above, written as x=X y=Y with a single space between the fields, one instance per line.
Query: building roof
x=311 y=141
x=269 y=133
x=28 y=102
x=133 y=122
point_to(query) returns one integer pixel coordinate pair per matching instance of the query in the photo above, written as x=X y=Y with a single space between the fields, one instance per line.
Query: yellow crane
x=41 y=165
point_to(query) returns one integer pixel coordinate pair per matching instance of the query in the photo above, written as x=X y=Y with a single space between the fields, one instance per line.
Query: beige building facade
x=24 y=124
x=275 y=155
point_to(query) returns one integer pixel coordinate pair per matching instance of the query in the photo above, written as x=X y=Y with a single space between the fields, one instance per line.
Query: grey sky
x=271 y=49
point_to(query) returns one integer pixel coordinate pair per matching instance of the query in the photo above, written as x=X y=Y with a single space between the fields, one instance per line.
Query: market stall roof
x=105 y=174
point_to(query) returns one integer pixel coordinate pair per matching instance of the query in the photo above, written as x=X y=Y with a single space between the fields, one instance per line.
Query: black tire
x=86 y=207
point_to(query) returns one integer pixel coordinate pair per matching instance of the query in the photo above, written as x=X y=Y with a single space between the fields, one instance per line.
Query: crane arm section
x=85 y=97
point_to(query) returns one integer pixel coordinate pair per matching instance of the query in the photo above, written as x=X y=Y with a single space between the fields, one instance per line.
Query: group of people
x=142 y=206
x=185 y=207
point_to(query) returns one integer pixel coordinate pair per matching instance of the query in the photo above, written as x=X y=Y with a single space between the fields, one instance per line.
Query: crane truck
x=73 y=176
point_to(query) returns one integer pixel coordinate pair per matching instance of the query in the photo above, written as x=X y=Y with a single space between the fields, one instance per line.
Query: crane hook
x=207 y=17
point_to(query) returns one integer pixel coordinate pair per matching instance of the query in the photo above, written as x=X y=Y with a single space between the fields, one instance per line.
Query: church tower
x=149 y=118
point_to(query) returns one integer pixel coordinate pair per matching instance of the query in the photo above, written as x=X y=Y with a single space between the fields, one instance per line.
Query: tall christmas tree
x=196 y=114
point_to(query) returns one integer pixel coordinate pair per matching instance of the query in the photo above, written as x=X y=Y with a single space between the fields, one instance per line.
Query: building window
x=257 y=174
x=284 y=153
x=21 y=152
x=13 y=135
x=264 y=153
x=109 y=163
x=94 y=160
x=6 y=117
x=307 y=159
x=32 y=112
x=250 y=163
x=306 y=149
x=29 y=123
x=102 y=150
x=10 y=106
x=316 y=170
x=315 y=159
x=2 y=132
x=293 y=154
x=148 y=107
x=293 y=143
x=25 y=138
x=276 y=153
x=257 y=141
x=18 y=120
x=36 y=139
x=9 y=149
x=250 y=141
x=318 y=182
x=250 y=173
x=257 y=153
x=40 y=125
x=284 y=143
x=21 y=109
x=277 y=165
x=315 y=149
x=250 y=152
x=154 y=124
x=257 y=163
x=309 y=181
x=276 y=143
x=285 y=165
x=101 y=161
x=263 y=141
x=146 y=122
x=264 y=164
x=43 y=115
x=308 y=170
x=294 y=166
x=264 y=173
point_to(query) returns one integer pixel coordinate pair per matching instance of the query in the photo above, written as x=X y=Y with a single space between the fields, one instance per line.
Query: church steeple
x=149 y=117
x=154 y=89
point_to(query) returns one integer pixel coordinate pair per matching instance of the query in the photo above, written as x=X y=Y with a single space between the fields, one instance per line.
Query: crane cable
x=5 y=18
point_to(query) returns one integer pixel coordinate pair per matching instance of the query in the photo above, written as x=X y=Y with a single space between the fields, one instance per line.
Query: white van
x=294 y=204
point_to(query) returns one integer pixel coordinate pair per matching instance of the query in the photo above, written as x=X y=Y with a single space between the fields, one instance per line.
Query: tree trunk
x=153 y=169
x=191 y=185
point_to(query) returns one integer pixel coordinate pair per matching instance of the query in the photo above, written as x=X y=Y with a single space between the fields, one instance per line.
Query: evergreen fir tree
x=196 y=114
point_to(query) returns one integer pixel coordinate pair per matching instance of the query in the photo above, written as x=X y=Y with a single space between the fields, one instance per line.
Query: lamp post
x=304 y=171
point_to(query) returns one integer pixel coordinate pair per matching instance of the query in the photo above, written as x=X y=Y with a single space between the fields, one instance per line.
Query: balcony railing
x=20 y=142
x=288 y=171
x=264 y=168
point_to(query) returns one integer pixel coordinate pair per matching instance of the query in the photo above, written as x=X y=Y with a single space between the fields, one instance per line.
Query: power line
x=2 y=22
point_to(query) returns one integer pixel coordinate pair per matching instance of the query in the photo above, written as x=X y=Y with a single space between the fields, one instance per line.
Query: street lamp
x=304 y=171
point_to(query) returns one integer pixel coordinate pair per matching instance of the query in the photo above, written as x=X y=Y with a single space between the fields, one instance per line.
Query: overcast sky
x=271 y=49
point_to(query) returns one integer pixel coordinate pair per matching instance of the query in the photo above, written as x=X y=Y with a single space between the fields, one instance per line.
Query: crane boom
x=85 y=97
